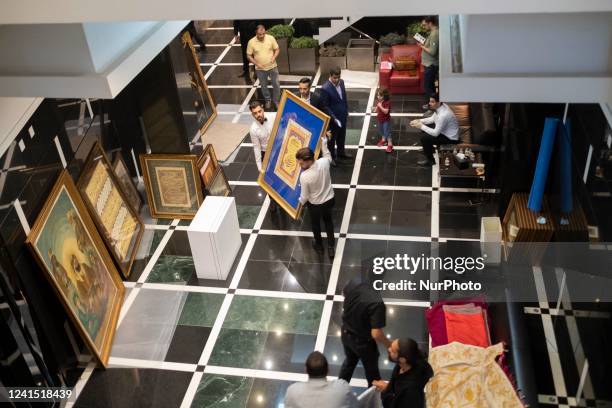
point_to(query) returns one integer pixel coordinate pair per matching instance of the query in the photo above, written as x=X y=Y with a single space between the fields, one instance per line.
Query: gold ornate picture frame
x=117 y=222
x=67 y=247
x=203 y=96
x=207 y=165
x=129 y=188
x=297 y=124
x=173 y=185
x=219 y=185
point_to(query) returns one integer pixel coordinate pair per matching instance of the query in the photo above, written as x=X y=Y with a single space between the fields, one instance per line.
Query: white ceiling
x=75 y=11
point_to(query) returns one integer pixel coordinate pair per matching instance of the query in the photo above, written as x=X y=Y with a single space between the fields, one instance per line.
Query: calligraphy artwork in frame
x=297 y=125
x=203 y=101
x=73 y=257
x=207 y=165
x=118 y=223
x=129 y=188
x=173 y=185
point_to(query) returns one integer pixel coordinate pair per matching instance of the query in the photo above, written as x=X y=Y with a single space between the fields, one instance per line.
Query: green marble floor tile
x=238 y=348
x=353 y=136
x=157 y=237
x=271 y=314
x=220 y=391
x=173 y=269
x=201 y=309
x=247 y=215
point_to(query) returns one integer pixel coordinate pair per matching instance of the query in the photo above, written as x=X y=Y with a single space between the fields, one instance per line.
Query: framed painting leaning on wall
x=117 y=221
x=173 y=185
x=129 y=188
x=73 y=257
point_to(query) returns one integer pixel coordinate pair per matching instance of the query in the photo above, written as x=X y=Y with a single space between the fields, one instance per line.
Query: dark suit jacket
x=335 y=107
x=315 y=100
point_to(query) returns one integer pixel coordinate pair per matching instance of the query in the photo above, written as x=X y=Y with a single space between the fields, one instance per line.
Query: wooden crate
x=520 y=225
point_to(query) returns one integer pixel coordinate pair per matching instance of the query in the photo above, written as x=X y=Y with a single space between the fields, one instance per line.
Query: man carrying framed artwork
x=318 y=194
x=260 y=131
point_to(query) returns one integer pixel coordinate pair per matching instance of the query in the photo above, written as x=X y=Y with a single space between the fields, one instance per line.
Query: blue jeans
x=384 y=128
x=264 y=82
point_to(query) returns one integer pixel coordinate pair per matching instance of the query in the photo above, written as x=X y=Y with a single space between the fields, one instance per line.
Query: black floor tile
x=233 y=171
x=227 y=75
x=342 y=173
x=134 y=387
x=248 y=195
x=230 y=96
x=361 y=252
x=307 y=278
x=178 y=244
x=233 y=55
x=413 y=176
x=539 y=353
x=303 y=252
x=357 y=100
x=273 y=248
x=187 y=344
x=264 y=275
x=209 y=55
x=280 y=220
x=369 y=222
x=217 y=36
x=413 y=223
x=411 y=201
x=595 y=338
x=249 y=172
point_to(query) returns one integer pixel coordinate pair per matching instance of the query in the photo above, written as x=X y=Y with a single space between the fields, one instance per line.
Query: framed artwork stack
x=129 y=188
x=66 y=244
x=207 y=165
x=118 y=223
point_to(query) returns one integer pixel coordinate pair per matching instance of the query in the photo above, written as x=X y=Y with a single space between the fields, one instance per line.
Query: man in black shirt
x=363 y=321
x=405 y=389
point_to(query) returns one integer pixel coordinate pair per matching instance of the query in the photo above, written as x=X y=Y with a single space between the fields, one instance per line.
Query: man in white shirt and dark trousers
x=260 y=131
x=317 y=193
x=445 y=129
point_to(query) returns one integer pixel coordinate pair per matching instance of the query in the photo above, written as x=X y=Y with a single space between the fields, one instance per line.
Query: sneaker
x=389 y=149
x=381 y=142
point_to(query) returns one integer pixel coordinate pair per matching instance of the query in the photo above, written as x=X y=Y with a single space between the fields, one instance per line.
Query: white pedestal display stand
x=214 y=237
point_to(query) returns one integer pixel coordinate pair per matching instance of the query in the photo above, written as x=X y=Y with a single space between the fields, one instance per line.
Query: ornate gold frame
x=65 y=181
x=186 y=38
x=294 y=213
x=96 y=149
x=208 y=150
x=119 y=159
x=147 y=181
x=221 y=173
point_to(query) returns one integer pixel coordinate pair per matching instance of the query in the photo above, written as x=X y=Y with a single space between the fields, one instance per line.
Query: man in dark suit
x=333 y=98
x=313 y=98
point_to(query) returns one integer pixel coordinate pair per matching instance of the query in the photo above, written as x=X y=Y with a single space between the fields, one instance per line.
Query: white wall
x=109 y=41
x=56 y=49
x=577 y=43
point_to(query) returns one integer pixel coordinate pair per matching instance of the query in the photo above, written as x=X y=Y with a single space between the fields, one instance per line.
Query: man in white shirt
x=317 y=392
x=444 y=131
x=318 y=194
x=260 y=131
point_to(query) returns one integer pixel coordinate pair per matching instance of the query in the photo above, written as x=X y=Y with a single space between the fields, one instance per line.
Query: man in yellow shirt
x=262 y=51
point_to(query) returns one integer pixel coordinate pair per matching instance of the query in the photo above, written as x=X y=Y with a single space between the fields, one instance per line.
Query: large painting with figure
x=173 y=185
x=297 y=125
x=68 y=248
x=117 y=221
x=203 y=102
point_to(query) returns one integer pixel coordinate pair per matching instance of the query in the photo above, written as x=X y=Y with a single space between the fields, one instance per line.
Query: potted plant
x=331 y=56
x=389 y=40
x=282 y=33
x=303 y=55
x=360 y=55
x=413 y=29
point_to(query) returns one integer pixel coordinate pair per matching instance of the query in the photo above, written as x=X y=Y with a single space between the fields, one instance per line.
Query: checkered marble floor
x=183 y=341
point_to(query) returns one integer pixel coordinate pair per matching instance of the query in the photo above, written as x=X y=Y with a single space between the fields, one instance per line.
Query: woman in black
x=405 y=389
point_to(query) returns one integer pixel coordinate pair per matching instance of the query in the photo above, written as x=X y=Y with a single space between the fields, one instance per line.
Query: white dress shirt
x=260 y=134
x=316 y=181
x=445 y=122
x=318 y=392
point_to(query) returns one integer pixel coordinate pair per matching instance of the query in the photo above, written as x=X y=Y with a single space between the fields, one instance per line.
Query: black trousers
x=429 y=80
x=337 y=140
x=428 y=142
x=322 y=211
x=356 y=349
x=244 y=42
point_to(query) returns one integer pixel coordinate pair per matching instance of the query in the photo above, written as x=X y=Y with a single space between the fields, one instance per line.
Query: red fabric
x=436 y=323
x=380 y=115
x=466 y=329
